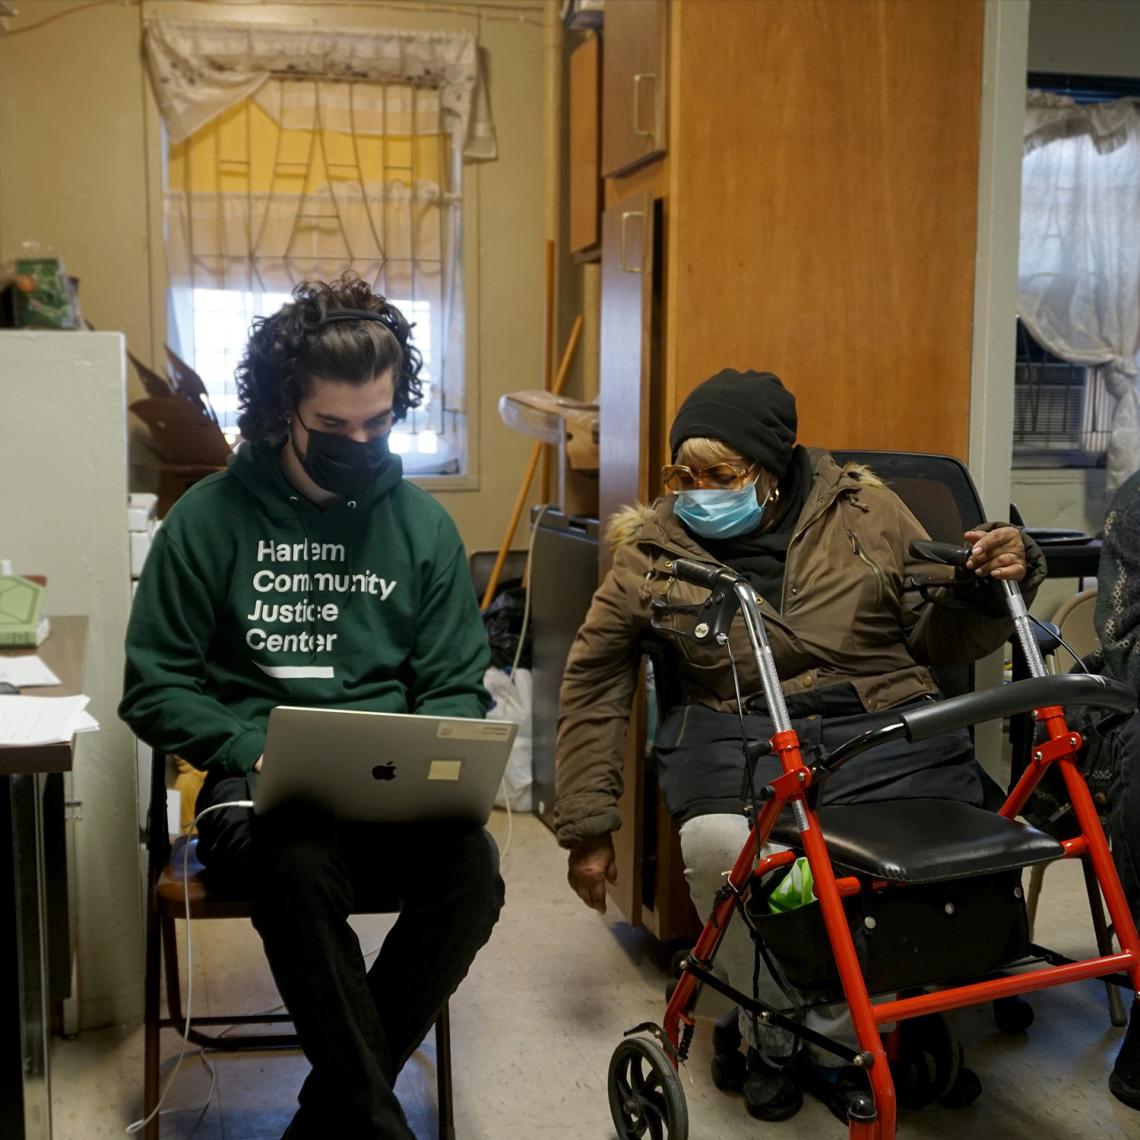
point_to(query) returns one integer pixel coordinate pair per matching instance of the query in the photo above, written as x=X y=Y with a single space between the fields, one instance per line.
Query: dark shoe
x=726 y=1031
x=728 y=1062
x=845 y=1090
x=771 y=1091
x=1124 y=1081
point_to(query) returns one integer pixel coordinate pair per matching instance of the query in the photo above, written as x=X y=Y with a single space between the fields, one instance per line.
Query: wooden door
x=625 y=372
x=626 y=356
x=633 y=84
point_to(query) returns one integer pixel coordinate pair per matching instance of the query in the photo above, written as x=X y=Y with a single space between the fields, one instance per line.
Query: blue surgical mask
x=720 y=514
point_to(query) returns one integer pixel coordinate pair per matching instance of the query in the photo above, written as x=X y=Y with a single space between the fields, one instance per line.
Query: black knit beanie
x=751 y=411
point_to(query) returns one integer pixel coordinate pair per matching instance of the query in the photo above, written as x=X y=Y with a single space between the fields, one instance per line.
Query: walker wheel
x=677 y=958
x=965 y=1090
x=646 y=1098
x=1013 y=1014
x=929 y=1061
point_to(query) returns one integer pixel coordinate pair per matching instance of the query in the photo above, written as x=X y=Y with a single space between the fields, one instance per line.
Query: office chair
x=1074 y=618
x=938 y=491
x=165 y=902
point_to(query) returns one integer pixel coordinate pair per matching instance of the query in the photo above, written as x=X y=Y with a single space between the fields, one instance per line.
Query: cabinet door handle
x=626 y=215
x=637 y=80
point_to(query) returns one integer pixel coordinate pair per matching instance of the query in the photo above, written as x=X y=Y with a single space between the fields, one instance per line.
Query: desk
x=25 y=1087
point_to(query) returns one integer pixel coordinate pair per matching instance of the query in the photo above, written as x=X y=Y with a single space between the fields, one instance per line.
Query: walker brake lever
x=713 y=616
x=945 y=554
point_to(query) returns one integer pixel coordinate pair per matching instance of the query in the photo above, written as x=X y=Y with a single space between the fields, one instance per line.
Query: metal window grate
x=1060 y=411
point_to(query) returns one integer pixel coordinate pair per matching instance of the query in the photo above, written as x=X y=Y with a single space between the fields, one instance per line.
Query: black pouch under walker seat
x=905 y=936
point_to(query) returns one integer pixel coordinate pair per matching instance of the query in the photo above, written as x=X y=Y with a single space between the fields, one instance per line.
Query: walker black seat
x=924 y=841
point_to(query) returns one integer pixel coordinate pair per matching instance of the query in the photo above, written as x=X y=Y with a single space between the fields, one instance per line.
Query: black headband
x=351 y=315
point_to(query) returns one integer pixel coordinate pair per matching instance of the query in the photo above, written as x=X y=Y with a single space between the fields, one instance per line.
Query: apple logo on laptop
x=384 y=771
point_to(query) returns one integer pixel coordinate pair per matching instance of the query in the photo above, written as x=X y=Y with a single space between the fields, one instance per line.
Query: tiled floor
x=535 y=1023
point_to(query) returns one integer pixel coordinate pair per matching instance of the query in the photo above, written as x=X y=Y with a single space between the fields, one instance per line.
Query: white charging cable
x=139 y=1125
x=515 y=665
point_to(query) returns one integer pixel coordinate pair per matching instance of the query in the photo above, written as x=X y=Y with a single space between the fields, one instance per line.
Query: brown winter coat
x=844 y=617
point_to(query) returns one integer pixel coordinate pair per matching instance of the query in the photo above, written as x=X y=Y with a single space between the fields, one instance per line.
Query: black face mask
x=338 y=464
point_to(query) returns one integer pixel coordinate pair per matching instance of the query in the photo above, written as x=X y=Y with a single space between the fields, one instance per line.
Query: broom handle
x=531 y=467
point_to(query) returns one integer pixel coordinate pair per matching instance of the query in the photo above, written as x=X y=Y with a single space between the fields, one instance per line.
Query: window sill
x=1056 y=458
x=434 y=483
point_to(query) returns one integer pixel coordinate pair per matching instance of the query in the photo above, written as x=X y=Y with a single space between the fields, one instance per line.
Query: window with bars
x=1061 y=413
x=305 y=179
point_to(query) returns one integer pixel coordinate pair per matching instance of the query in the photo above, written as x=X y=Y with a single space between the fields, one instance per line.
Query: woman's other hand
x=591 y=867
x=998 y=553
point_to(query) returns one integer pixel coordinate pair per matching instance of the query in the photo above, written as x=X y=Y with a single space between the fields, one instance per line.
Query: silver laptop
x=383 y=767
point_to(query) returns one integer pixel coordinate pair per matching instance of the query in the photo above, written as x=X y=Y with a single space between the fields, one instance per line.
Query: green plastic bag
x=794 y=889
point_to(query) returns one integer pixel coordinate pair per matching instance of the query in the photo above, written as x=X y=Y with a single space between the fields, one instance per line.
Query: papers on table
x=26 y=671
x=26 y=721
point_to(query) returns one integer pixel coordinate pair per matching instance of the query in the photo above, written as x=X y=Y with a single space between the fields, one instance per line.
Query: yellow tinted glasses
x=716 y=477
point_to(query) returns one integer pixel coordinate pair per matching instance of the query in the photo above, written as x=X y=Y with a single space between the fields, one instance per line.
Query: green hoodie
x=253 y=596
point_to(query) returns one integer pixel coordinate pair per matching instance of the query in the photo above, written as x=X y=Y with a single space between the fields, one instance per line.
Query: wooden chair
x=166 y=902
x=1074 y=618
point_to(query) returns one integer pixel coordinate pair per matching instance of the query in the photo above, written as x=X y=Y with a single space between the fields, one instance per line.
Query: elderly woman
x=827 y=549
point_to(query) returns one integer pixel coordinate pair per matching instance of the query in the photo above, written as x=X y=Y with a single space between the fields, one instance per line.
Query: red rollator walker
x=926 y=910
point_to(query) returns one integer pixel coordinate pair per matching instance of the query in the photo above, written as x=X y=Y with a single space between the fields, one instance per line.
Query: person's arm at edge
x=595 y=701
x=1117 y=612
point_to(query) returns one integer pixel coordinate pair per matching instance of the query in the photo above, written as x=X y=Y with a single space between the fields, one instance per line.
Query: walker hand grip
x=701 y=574
x=945 y=553
x=931 y=719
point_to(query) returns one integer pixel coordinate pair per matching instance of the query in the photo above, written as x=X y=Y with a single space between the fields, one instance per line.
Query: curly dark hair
x=294 y=346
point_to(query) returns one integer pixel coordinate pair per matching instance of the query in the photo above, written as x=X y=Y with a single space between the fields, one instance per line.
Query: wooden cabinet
x=585 y=145
x=634 y=84
x=815 y=216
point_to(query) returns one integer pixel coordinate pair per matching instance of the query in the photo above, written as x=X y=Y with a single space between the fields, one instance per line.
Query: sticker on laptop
x=475 y=730
x=445 y=769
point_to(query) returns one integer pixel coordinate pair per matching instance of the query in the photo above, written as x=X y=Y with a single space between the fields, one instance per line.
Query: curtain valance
x=201 y=68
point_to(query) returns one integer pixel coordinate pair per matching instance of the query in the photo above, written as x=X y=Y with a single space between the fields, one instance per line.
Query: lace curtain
x=1079 y=274
x=348 y=156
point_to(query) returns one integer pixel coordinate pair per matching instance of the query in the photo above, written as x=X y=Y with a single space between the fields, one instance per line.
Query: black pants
x=701 y=762
x=303 y=874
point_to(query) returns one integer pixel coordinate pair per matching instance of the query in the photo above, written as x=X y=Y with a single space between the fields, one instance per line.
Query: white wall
x=1085 y=37
x=63 y=514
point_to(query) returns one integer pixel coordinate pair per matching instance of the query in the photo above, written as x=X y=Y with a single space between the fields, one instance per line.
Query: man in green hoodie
x=310 y=573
